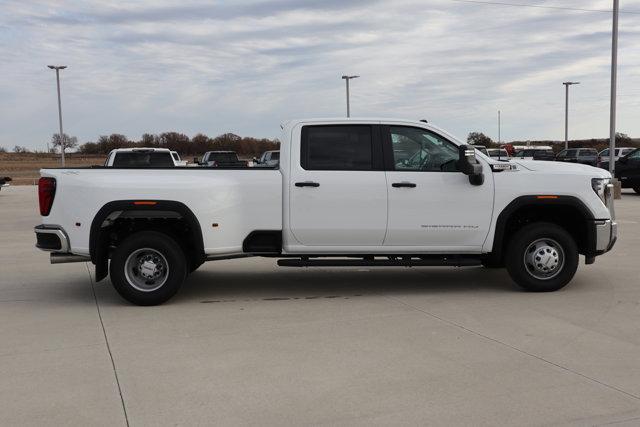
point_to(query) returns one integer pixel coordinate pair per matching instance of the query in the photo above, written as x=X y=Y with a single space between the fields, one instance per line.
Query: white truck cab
x=346 y=192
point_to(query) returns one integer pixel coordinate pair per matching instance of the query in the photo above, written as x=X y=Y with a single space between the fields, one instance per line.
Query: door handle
x=403 y=185
x=307 y=184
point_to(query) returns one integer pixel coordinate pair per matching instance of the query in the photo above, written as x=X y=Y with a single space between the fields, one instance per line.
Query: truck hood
x=561 y=167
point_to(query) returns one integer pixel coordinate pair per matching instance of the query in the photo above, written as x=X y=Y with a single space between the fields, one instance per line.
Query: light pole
x=346 y=79
x=58 y=68
x=498 y=126
x=614 y=80
x=566 y=112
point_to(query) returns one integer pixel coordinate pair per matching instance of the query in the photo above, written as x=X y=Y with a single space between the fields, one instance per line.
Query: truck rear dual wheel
x=148 y=268
x=542 y=257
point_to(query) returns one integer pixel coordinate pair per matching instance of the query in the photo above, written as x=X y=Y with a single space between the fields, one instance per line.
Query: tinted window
x=634 y=155
x=525 y=153
x=275 y=156
x=142 y=159
x=417 y=149
x=337 y=148
x=222 y=157
x=588 y=152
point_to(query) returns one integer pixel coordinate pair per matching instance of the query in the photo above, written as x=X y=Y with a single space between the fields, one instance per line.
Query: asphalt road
x=247 y=343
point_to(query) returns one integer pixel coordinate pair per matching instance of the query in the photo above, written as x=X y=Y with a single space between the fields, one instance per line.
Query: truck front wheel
x=148 y=268
x=542 y=257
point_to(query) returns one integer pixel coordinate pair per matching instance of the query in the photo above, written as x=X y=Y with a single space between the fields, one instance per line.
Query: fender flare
x=536 y=200
x=97 y=239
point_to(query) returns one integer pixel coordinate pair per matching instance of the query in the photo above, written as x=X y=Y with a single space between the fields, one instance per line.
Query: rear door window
x=346 y=147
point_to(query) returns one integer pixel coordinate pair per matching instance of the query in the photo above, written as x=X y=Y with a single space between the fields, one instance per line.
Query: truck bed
x=237 y=200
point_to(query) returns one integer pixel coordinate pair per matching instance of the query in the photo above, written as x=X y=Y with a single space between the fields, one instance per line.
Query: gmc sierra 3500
x=346 y=192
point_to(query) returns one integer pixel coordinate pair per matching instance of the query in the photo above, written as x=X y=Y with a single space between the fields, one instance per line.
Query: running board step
x=415 y=262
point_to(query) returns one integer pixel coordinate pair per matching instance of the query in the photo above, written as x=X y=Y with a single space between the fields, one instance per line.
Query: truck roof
x=138 y=150
x=288 y=124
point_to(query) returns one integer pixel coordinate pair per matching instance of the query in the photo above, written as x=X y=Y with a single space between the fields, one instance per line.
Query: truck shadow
x=208 y=285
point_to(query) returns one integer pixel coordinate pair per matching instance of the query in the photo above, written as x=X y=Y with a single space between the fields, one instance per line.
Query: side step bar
x=391 y=262
x=63 y=258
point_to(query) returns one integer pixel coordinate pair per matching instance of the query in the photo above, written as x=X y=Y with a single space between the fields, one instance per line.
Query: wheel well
x=118 y=220
x=568 y=214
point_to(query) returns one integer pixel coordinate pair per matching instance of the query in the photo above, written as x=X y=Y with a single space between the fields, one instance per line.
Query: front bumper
x=606 y=235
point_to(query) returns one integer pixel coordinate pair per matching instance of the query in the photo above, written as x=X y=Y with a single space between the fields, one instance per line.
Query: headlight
x=599 y=185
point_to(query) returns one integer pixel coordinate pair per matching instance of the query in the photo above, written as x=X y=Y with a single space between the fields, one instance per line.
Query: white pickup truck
x=143 y=157
x=346 y=192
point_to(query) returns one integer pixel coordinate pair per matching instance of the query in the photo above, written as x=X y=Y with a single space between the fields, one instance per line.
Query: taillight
x=46 y=193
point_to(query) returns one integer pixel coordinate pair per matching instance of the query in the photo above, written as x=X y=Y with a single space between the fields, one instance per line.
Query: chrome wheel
x=146 y=269
x=544 y=259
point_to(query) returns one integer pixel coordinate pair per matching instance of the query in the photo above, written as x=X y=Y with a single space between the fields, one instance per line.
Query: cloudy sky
x=244 y=66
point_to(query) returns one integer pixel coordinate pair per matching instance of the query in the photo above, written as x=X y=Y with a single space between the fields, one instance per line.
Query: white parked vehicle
x=268 y=159
x=603 y=156
x=177 y=160
x=341 y=196
x=141 y=157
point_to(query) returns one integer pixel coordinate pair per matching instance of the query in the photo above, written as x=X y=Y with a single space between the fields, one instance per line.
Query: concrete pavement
x=248 y=343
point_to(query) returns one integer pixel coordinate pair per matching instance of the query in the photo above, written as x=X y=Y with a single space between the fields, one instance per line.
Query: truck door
x=433 y=206
x=337 y=186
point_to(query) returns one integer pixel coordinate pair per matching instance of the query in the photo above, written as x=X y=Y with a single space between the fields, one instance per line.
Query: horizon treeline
x=244 y=146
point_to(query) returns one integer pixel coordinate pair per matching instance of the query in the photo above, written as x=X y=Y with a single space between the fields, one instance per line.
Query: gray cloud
x=244 y=66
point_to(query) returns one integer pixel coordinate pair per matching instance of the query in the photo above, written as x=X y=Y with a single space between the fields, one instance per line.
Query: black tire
x=158 y=249
x=636 y=189
x=549 y=244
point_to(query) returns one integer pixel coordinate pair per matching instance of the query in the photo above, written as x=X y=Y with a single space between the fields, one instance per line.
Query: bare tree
x=479 y=138
x=68 y=141
x=20 y=149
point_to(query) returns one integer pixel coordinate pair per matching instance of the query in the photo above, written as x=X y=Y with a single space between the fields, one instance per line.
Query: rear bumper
x=52 y=238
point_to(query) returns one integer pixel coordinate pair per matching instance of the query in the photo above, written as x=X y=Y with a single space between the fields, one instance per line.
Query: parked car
x=222 y=159
x=628 y=170
x=498 y=153
x=482 y=149
x=619 y=152
x=177 y=160
x=268 y=159
x=585 y=156
x=530 y=153
x=546 y=155
x=343 y=199
x=140 y=158
x=4 y=182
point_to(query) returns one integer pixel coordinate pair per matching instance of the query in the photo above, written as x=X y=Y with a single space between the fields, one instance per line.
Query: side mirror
x=469 y=165
x=623 y=160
